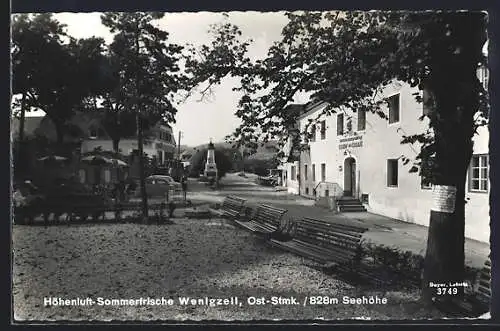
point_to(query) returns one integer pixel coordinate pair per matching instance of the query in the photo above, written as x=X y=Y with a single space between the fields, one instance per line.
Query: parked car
x=158 y=185
x=268 y=180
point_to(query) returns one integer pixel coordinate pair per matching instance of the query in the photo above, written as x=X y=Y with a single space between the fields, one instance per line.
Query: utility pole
x=179 y=146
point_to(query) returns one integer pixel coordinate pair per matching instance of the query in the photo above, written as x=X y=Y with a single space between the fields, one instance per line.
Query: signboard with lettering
x=444 y=198
x=356 y=141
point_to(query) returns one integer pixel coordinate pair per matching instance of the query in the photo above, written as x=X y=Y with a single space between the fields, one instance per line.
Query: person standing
x=184 y=186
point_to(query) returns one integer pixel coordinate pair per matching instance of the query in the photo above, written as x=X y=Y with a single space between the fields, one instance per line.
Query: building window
x=93 y=133
x=364 y=198
x=160 y=157
x=392 y=172
x=425 y=185
x=305 y=171
x=313 y=172
x=307 y=190
x=323 y=172
x=107 y=175
x=82 y=174
x=293 y=170
x=483 y=76
x=340 y=124
x=323 y=130
x=313 y=133
x=478 y=175
x=349 y=125
x=327 y=193
x=361 y=120
x=393 y=103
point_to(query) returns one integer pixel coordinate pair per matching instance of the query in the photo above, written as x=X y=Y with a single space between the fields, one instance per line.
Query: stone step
x=351 y=208
x=349 y=202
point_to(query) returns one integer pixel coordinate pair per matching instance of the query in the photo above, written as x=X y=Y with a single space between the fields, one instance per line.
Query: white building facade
x=359 y=154
x=159 y=144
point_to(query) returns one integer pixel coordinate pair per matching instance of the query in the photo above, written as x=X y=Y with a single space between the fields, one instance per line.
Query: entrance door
x=349 y=177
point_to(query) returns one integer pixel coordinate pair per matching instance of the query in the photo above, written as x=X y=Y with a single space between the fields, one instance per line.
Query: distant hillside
x=271 y=145
x=269 y=150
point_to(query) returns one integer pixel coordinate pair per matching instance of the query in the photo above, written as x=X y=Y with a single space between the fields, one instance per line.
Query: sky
x=214 y=118
x=198 y=121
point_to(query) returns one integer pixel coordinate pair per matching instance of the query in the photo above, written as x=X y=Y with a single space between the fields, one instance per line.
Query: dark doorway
x=349 y=177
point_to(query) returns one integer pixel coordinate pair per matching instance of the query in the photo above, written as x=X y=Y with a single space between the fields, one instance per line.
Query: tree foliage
x=345 y=59
x=53 y=71
x=30 y=37
x=145 y=62
x=260 y=167
x=140 y=74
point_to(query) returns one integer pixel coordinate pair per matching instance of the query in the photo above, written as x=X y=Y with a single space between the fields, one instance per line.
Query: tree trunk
x=140 y=138
x=59 y=133
x=20 y=160
x=116 y=149
x=22 y=118
x=445 y=255
x=116 y=144
x=444 y=259
x=455 y=88
x=142 y=178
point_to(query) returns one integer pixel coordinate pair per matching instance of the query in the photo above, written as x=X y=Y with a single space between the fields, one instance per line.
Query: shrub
x=260 y=166
x=406 y=264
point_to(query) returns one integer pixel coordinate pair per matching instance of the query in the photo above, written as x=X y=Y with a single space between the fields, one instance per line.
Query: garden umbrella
x=99 y=160
x=53 y=158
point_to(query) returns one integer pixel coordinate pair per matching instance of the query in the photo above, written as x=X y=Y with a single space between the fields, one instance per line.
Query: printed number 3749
x=447 y=291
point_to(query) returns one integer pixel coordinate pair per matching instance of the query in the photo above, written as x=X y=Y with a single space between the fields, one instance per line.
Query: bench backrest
x=344 y=227
x=483 y=284
x=269 y=215
x=233 y=203
x=331 y=236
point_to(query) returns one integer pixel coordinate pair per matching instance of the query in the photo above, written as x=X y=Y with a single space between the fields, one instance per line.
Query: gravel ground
x=191 y=258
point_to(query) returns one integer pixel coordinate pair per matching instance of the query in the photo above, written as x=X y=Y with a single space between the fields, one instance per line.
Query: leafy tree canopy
x=55 y=72
x=345 y=58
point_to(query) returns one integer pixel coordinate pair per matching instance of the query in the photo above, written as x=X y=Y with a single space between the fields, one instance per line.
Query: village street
x=382 y=230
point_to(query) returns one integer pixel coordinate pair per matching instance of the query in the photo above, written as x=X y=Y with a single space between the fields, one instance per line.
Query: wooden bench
x=477 y=302
x=232 y=207
x=328 y=243
x=82 y=211
x=266 y=220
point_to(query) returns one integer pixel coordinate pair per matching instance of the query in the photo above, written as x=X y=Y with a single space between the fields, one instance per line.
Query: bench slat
x=266 y=220
x=232 y=207
x=255 y=227
x=294 y=247
x=338 y=229
x=330 y=231
x=331 y=251
x=303 y=230
x=337 y=225
x=326 y=241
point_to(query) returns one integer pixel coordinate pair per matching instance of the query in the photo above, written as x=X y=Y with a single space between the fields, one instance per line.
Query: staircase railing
x=336 y=188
